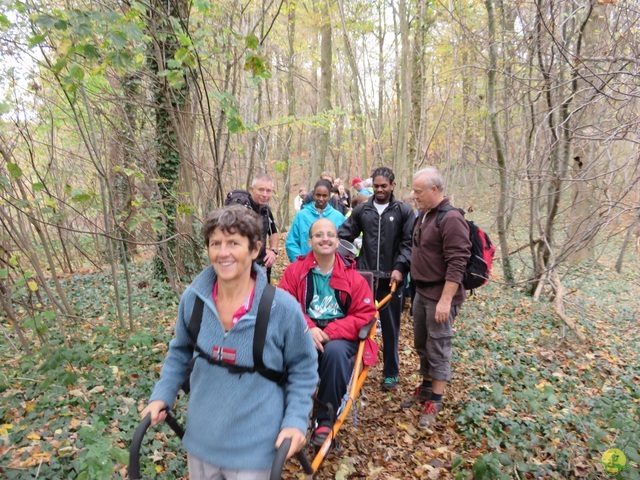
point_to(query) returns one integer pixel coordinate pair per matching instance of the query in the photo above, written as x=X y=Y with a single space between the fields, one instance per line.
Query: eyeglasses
x=320 y=235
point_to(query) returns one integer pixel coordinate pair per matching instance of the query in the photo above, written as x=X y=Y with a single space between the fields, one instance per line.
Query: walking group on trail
x=237 y=416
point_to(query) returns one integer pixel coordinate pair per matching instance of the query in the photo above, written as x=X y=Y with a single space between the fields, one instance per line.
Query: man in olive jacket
x=386 y=225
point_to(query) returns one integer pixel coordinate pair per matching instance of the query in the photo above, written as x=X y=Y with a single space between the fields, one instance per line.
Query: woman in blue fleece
x=298 y=237
x=236 y=422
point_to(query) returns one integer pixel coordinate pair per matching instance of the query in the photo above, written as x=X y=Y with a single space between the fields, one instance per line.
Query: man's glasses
x=320 y=235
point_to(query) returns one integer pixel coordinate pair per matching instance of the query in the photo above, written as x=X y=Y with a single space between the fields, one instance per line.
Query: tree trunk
x=174 y=257
x=324 y=101
x=400 y=164
x=499 y=147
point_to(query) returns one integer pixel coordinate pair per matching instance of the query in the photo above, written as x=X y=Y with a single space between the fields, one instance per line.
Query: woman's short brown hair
x=234 y=219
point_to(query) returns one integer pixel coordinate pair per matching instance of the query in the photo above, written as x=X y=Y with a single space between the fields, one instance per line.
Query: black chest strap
x=259 y=338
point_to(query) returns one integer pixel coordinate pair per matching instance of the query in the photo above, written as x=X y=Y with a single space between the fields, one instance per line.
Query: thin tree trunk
x=324 y=101
x=499 y=147
x=400 y=164
x=7 y=307
x=631 y=231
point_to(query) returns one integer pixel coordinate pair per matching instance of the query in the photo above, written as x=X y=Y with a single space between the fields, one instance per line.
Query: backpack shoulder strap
x=443 y=211
x=262 y=322
x=195 y=322
x=260 y=335
x=309 y=293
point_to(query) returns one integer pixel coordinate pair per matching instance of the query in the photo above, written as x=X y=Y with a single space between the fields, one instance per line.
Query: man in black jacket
x=261 y=190
x=386 y=225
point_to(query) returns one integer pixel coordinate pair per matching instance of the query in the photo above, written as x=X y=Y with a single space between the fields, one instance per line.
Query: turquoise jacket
x=233 y=420
x=298 y=237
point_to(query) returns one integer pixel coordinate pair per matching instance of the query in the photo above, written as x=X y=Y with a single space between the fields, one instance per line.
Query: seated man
x=337 y=302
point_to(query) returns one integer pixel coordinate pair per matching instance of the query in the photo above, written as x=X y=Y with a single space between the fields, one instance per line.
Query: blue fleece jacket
x=298 y=237
x=233 y=420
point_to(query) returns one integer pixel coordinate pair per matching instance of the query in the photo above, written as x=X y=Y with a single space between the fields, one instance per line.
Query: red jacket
x=347 y=282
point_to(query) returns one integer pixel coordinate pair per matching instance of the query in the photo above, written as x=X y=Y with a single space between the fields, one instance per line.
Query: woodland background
x=123 y=123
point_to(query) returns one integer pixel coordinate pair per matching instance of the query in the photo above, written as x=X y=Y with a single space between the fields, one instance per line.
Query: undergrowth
x=533 y=403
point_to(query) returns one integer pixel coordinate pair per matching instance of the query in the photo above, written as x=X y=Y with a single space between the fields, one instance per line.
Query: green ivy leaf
x=35 y=40
x=202 y=5
x=234 y=124
x=185 y=57
x=139 y=7
x=120 y=455
x=255 y=64
x=76 y=72
x=133 y=32
x=44 y=20
x=175 y=78
x=280 y=166
x=14 y=170
x=479 y=469
x=4 y=21
x=552 y=399
x=173 y=64
x=4 y=108
x=118 y=39
x=37 y=186
x=618 y=423
x=119 y=60
x=61 y=25
x=59 y=65
x=90 y=51
x=81 y=197
x=185 y=209
x=251 y=41
x=185 y=40
x=457 y=462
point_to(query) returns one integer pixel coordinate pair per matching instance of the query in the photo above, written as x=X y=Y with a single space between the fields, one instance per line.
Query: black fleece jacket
x=386 y=239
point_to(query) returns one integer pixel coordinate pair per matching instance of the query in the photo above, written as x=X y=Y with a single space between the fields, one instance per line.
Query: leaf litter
x=525 y=401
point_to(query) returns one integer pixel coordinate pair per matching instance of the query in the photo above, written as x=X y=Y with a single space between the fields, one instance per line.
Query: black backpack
x=240 y=197
x=259 y=336
x=482 y=250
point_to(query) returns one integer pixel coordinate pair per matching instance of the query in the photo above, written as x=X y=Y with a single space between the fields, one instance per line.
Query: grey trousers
x=432 y=339
x=199 y=470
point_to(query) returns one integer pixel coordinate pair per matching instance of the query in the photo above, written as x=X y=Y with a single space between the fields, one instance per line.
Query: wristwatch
x=275 y=250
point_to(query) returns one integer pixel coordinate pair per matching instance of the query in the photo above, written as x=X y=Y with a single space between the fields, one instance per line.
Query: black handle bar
x=136 y=442
x=281 y=457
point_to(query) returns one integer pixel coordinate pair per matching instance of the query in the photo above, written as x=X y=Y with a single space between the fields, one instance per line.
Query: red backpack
x=482 y=251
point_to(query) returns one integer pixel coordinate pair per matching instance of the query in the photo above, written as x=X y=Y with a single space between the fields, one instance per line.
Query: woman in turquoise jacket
x=298 y=237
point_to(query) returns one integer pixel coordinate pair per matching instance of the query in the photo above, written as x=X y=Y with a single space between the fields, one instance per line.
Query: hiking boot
x=390 y=383
x=420 y=394
x=321 y=433
x=431 y=410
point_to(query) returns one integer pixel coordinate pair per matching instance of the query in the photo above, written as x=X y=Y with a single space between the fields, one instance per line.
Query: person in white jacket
x=297 y=202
